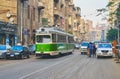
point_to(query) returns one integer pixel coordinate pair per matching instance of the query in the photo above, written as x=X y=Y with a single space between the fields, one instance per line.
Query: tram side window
x=43 y=39
x=61 y=38
x=70 y=40
x=53 y=37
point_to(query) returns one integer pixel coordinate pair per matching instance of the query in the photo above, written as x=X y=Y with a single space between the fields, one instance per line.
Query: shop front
x=8 y=34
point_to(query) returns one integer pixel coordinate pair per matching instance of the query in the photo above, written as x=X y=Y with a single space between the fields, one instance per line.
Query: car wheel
x=98 y=56
x=6 y=58
x=21 y=56
x=119 y=55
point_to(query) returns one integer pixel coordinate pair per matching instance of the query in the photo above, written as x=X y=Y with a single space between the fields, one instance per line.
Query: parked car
x=76 y=46
x=118 y=50
x=18 y=52
x=32 y=49
x=96 y=43
x=3 y=50
x=104 y=49
x=83 y=47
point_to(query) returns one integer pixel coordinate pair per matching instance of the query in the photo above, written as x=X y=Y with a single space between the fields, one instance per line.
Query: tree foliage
x=112 y=34
x=110 y=4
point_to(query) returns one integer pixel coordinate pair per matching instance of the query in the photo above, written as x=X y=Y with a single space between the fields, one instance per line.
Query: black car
x=18 y=52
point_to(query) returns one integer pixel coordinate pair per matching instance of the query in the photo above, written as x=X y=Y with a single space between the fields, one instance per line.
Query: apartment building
x=8 y=13
x=76 y=23
x=113 y=18
x=29 y=19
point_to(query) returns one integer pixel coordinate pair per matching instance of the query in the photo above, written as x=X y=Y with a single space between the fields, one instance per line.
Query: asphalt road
x=74 y=66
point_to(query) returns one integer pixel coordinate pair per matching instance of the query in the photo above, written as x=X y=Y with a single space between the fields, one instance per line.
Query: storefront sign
x=8 y=28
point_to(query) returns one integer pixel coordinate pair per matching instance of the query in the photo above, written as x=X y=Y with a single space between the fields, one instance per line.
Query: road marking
x=23 y=77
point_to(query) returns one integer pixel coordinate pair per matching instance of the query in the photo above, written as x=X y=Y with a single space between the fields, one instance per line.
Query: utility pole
x=31 y=21
x=21 y=22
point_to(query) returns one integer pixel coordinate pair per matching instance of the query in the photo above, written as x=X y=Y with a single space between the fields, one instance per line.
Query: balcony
x=41 y=5
x=71 y=4
x=78 y=14
x=56 y=11
x=75 y=29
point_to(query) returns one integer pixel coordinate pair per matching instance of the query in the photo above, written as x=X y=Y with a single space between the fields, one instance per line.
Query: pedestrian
x=117 y=53
x=114 y=44
x=94 y=50
x=90 y=48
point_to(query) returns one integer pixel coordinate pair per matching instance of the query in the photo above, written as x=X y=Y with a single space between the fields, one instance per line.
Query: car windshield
x=105 y=46
x=2 y=47
x=17 y=48
x=84 y=44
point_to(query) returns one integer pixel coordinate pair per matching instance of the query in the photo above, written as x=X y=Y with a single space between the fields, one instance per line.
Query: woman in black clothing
x=94 y=50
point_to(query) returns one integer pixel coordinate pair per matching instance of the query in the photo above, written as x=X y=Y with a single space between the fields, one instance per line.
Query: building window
x=38 y=16
x=34 y=13
x=28 y=12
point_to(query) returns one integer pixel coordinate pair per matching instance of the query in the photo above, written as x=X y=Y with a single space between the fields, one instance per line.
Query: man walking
x=90 y=48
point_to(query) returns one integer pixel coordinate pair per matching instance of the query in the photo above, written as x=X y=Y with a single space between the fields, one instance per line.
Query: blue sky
x=88 y=8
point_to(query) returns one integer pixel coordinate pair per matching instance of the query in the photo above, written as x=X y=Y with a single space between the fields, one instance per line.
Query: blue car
x=32 y=49
x=3 y=50
x=18 y=52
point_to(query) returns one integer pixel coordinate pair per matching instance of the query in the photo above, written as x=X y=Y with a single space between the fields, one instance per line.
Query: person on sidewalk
x=117 y=53
x=114 y=44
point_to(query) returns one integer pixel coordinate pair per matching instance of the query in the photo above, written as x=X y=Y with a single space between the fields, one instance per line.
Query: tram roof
x=52 y=30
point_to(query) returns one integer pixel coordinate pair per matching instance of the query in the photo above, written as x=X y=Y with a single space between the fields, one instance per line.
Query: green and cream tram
x=53 y=41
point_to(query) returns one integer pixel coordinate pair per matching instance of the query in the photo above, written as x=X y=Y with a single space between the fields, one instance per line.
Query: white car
x=3 y=50
x=104 y=49
x=83 y=47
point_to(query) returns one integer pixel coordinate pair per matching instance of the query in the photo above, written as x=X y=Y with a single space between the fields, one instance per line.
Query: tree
x=117 y=11
x=112 y=34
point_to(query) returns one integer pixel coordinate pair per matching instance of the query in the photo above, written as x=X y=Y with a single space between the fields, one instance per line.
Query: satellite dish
x=8 y=15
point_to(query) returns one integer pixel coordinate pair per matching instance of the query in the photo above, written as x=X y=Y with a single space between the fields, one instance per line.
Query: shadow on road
x=52 y=57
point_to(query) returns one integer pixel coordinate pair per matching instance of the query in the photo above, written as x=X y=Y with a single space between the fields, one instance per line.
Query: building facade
x=8 y=13
x=8 y=22
x=29 y=19
x=113 y=17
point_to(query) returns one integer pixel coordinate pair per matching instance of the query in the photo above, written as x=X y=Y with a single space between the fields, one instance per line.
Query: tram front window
x=43 y=39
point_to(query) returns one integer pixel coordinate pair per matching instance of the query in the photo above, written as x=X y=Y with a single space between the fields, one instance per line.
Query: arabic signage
x=8 y=28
